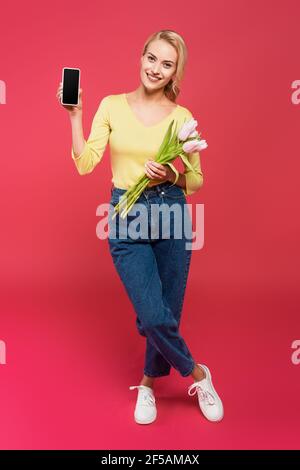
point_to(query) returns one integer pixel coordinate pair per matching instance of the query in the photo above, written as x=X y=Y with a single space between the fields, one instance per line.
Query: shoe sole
x=209 y=376
x=145 y=422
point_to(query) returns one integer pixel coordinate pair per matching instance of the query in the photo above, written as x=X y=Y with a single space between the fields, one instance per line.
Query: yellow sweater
x=131 y=143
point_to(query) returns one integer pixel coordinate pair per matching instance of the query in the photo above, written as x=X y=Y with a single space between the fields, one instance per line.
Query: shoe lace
x=204 y=395
x=147 y=397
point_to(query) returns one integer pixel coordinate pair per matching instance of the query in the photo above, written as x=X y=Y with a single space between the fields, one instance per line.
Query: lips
x=152 y=76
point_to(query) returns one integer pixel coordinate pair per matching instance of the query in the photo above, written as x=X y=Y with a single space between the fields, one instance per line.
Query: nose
x=155 y=70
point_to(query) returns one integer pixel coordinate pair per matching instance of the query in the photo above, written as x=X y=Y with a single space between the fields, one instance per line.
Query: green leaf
x=166 y=139
x=174 y=169
x=174 y=136
x=185 y=160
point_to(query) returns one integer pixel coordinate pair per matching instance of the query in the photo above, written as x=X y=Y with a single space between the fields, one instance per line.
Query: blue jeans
x=154 y=271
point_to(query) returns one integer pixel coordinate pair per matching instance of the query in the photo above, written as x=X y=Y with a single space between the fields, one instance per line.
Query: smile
x=152 y=79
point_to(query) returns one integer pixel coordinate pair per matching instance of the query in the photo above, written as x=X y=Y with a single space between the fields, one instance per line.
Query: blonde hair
x=172 y=89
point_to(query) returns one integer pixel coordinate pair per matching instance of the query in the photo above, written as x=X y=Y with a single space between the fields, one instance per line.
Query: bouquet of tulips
x=175 y=143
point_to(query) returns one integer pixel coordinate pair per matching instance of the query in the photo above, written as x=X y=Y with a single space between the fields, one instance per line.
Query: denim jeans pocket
x=174 y=192
x=114 y=200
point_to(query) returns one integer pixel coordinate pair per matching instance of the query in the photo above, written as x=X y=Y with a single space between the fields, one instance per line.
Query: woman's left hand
x=158 y=171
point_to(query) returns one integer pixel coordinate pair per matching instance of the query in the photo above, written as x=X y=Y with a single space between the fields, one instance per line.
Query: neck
x=154 y=97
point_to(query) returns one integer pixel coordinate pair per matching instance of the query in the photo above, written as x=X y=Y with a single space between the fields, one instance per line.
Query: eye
x=152 y=58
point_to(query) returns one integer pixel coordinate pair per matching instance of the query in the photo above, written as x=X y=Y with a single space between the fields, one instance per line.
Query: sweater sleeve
x=96 y=144
x=193 y=180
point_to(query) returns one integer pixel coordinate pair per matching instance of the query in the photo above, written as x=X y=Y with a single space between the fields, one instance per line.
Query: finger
x=156 y=164
x=156 y=170
x=154 y=176
x=149 y=174
x=152 y=170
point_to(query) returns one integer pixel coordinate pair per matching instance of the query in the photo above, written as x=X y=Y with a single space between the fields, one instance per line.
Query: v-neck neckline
x=143 y=125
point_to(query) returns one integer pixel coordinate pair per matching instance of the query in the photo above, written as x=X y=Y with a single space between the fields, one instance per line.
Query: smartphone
x=71 y=85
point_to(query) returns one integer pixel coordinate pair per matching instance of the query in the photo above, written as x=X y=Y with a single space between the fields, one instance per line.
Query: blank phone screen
x=70 y=86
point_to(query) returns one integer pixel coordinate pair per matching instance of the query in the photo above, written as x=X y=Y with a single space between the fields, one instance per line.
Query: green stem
x=134 y=191
x=131 y=194
x=134 y=198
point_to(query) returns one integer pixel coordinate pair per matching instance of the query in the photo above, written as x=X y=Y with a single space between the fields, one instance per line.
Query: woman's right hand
x=73 y=110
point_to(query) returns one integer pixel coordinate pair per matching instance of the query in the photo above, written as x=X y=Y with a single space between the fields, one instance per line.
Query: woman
x=153 y=269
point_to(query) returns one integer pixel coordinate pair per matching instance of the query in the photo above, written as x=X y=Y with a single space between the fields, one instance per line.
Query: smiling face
x=158 y=64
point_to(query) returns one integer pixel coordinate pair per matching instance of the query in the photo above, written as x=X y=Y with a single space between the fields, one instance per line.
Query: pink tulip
x=194 y=134
x=194 y=146
x=187 y=129
x=202 y=144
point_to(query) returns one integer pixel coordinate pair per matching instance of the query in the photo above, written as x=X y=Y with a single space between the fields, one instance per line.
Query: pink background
x=69 y=328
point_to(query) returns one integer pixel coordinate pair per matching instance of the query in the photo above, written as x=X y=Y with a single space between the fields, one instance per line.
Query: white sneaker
x=209 y=401
x=145 y=410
